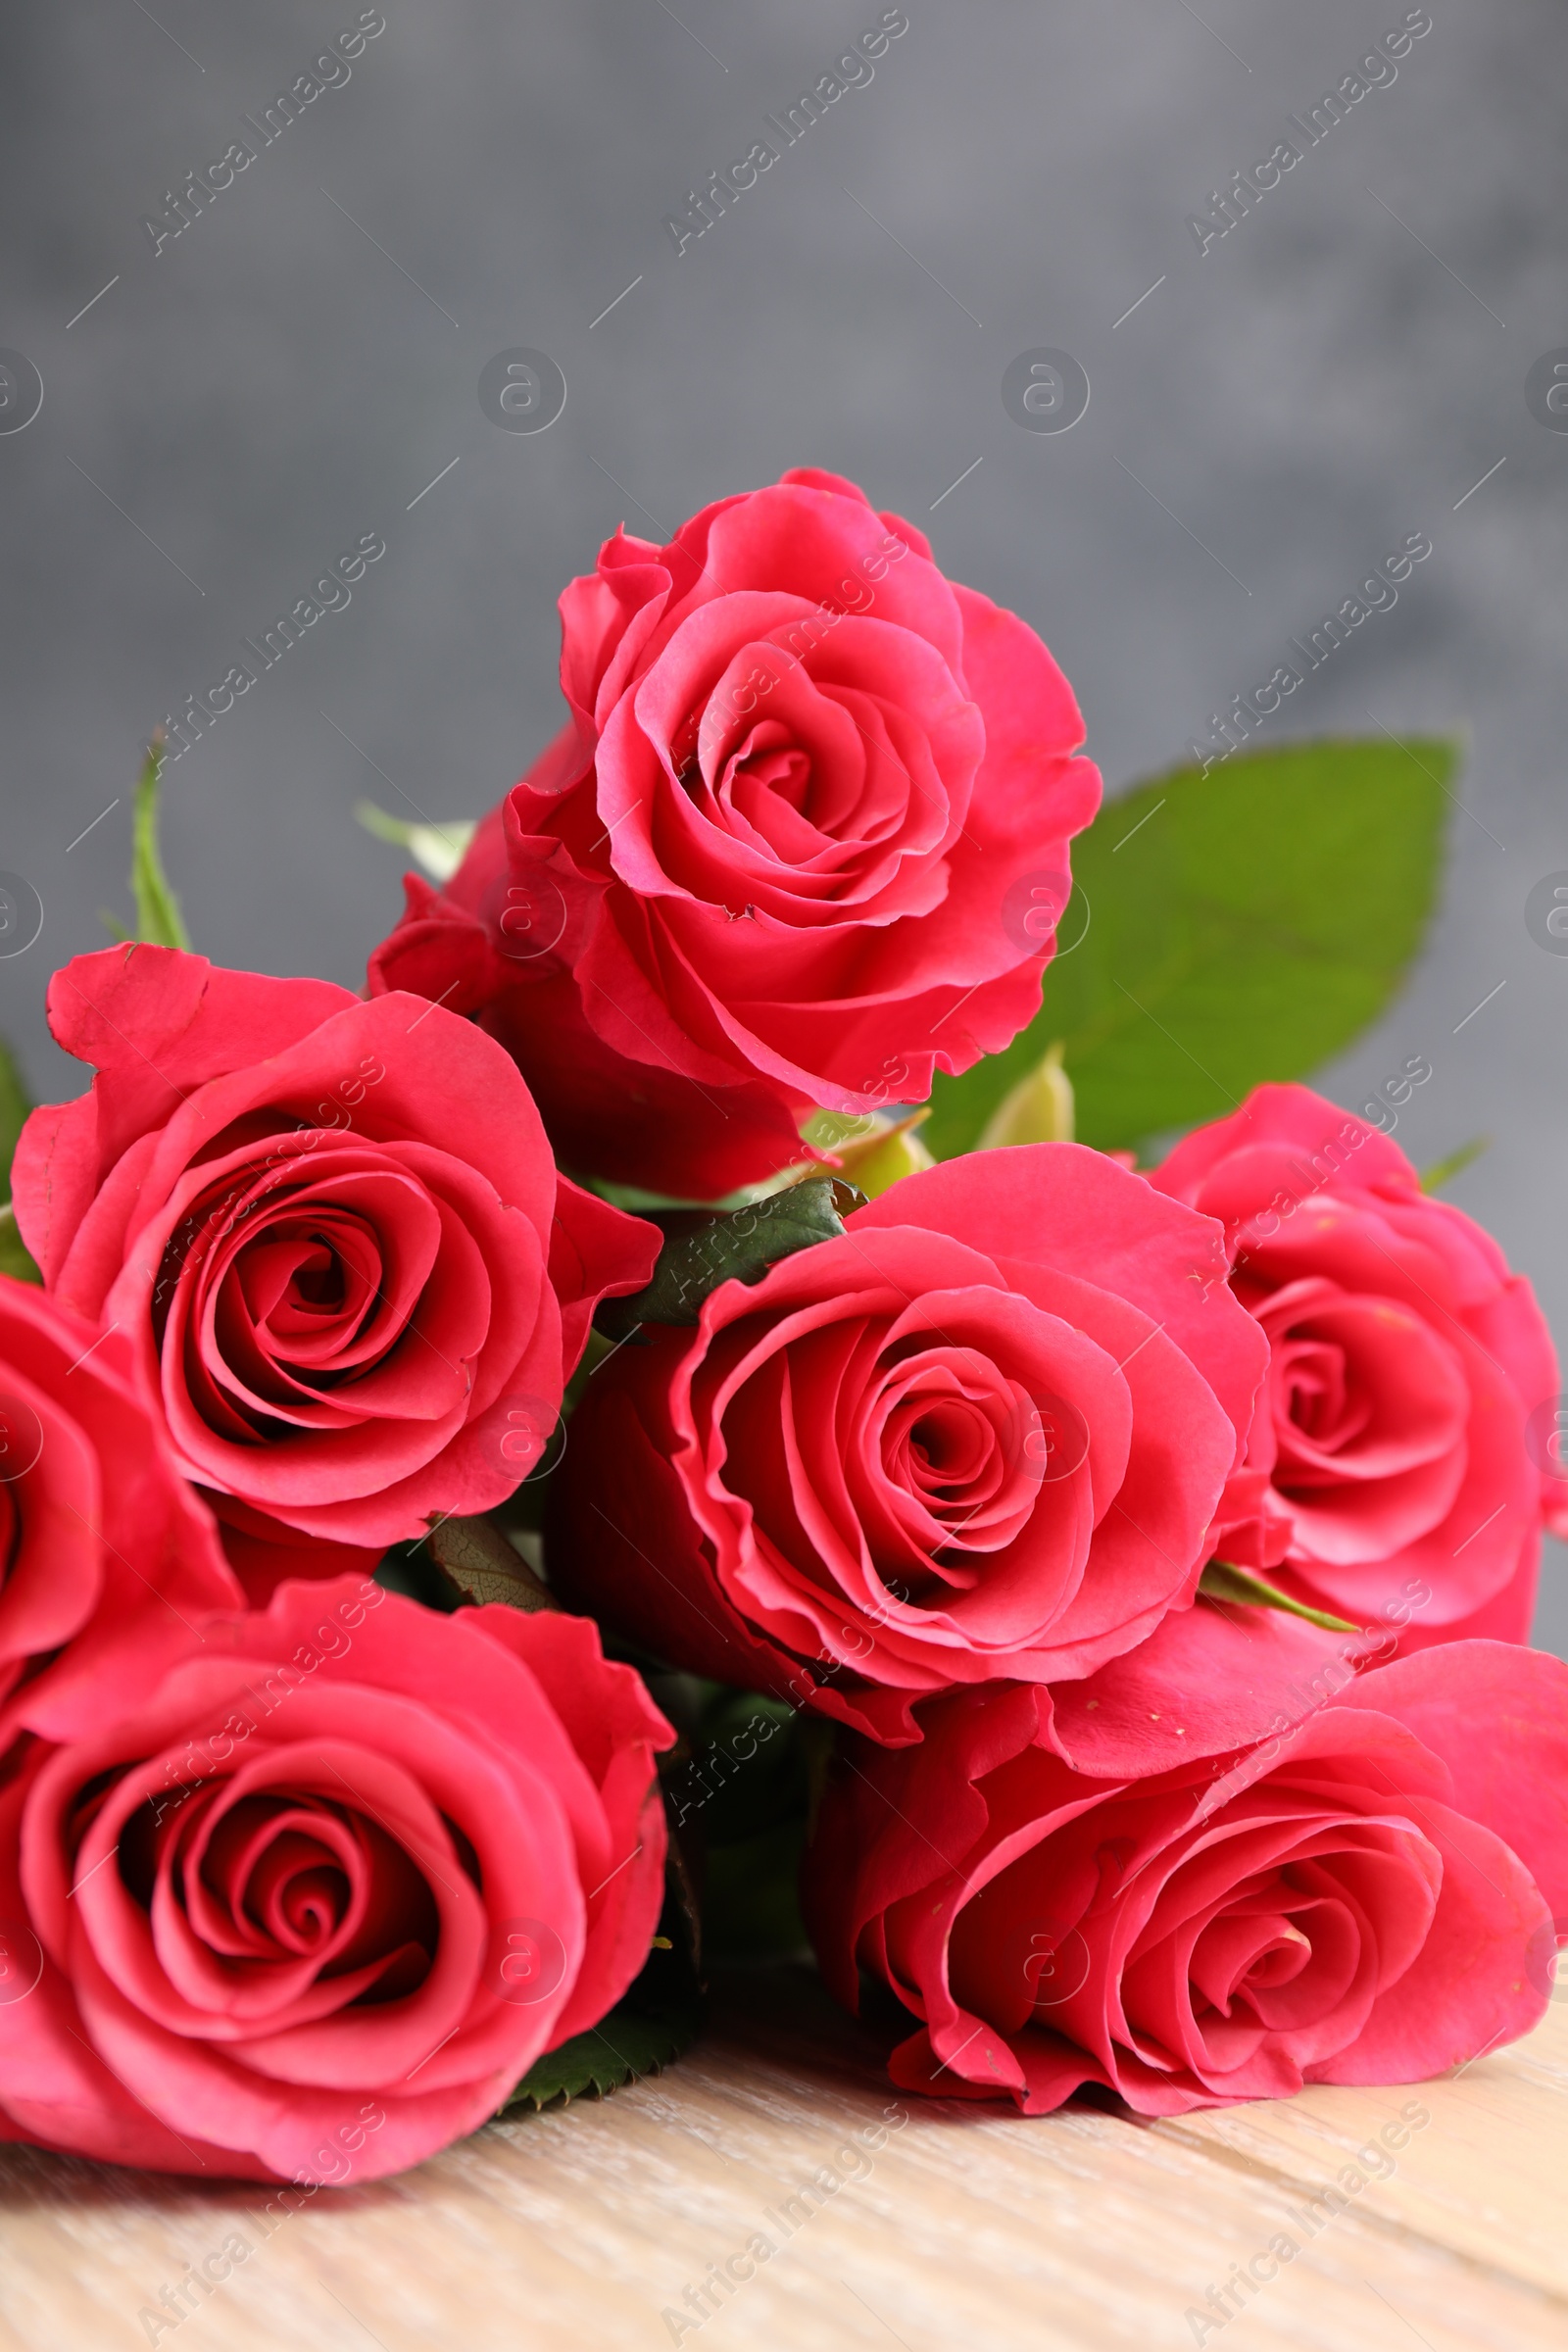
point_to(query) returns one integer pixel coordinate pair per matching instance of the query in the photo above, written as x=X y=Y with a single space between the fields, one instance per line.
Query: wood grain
x=584 y=2226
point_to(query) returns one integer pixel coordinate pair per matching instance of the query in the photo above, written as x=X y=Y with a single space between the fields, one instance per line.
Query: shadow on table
x=36 y=2179
x=775 y=2014
x=783 y=2014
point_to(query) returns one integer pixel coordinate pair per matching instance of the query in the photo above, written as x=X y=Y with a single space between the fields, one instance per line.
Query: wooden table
x=584 y=2226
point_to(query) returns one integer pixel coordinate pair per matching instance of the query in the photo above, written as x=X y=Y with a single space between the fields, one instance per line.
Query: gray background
x=1316 y=386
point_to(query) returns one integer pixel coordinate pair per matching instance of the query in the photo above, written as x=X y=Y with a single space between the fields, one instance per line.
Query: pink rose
x=324 y=1892
x=333 y=1232
x=982 y=1434
x=803 y=842
x=98 y=1531
x=1368 y=1898
x=1390 y=1454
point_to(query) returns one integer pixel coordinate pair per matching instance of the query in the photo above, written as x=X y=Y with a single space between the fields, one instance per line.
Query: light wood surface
x=581 y=2226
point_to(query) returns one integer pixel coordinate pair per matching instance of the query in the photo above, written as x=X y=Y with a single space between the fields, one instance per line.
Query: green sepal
x=1220 y=1580
x=701 y=1250
x=14 y=1108
x=1443 y=1171
x=14 y=1258
x=159 y=921
x=438 y=849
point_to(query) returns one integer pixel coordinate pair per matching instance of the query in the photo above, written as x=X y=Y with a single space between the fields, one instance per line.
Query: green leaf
x=158 y=917
x=478 y=1561
x=632 y=2041
x=1226 y=929
x=747 y=1771
x=15 y=1105
x=702 y=1251
x=14 y=1108
x=439 y=849
x=1221 y=1582
x=14 y=1255
x=751 y=1899
x=1443 y=1171
x=649 y=2026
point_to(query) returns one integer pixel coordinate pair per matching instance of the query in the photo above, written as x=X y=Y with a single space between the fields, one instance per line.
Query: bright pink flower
x=982 y=1434
x=316 y=1900
x=333 y=1232
x=1399 y=1440
x=1374 y=1895
x=803 y=842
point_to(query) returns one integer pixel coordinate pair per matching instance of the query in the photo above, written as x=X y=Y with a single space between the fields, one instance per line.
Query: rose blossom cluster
x=952 y=1481
x=298 y=1878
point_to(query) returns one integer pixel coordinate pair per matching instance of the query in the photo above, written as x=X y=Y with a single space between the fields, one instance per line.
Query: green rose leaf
x=1225 y=929
x=633 y=2041
x=701 y=1250
x=478 y=1561
x=648 y=2028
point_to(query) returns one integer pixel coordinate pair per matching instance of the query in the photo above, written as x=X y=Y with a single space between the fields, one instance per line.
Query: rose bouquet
x=800 y=1368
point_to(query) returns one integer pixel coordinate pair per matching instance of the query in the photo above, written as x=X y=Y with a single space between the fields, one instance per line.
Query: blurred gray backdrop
x=223 y=415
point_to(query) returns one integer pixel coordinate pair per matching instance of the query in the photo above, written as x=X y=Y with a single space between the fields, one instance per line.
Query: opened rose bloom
x=1368 y=1897
x=335 y=1235
x=802 y=841
x=335 y=1874
x=98 y=1531
x=1395 y=1442
x=983 y=1434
